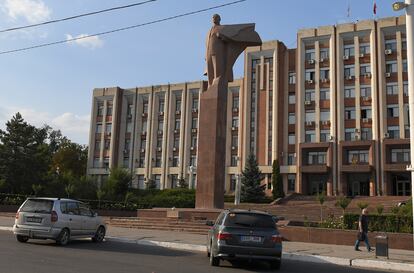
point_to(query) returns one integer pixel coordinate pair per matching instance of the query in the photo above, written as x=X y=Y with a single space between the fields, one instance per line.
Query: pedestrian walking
x=363 y=231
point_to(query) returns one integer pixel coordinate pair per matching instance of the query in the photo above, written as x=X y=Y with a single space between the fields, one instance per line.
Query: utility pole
x=409 y=23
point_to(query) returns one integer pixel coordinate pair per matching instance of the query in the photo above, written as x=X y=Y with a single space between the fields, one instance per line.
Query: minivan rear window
x=37 y=206
x=249 y=220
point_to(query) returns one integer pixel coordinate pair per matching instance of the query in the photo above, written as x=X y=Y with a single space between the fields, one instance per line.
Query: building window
x=400 y=155
x=141 y=163
x=235 y=102
x=160 y=125
x=291 y=118
x=193 y=160
x=159 y=142
x=324 y=74
x=325 y=115
x=157 y=179
x=292 y=78
x=96 y=162
x=365 y=91
x=391 y=67
x=233 y=181
x=292 y=99
x=349 y=134
x=129 y=127
x=405 y=88
x=365 y=69
x=291 y=159
x=349 y=50
x=391 y=45
x=404 y=44
x=177 y=124
x=310 y=116
x=127 y=145
x=291 y=139
x=234 y=141
x=109 y=110
x=310 y=75
x=358 y=157
x=235 y=122
x=143 y=144
x=291 y=182
x=393 y=132
x=393 y=111
x=100 y=109
x=194 y=123
x=98 y=128
x=366 y=112
x=145 y=107
x=234 y=160
x=310 y=54
x=174 y=181
x=178 y=104
x=349 y=92
x=404 y=65
x=107 y=144
x=316 y=158
x=325 y=135
x=106 y=162
x=392 y=89
x=325 y=94
x=324 y=53
x=144 y=127
x=366 y=133
x=349 y=71
x=193 y=141
x=97 y=145
x=108 y=127
x=349 y=113
x=310 y=136
x=175 y=161
x=194 y=105
x=310 y=95
x=364 y=48
x=161 y=105
x=158 y=160
x=140 y=182
x=126 y=162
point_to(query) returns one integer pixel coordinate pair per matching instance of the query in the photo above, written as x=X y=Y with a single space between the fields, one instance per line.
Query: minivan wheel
x=99 y=235
x=63 y=238
x=22 y=239
x=275 y=264
x=214 y=261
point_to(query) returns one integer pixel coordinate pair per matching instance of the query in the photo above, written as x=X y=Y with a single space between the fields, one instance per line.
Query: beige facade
x=333 y=112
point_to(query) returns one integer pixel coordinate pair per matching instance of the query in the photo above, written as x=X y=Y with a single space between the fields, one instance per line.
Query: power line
x=120 y=29
x=77 y=16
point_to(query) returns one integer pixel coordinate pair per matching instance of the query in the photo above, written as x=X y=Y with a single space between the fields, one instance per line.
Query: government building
x=333 y=112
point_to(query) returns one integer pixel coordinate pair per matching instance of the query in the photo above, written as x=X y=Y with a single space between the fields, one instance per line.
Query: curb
x=384 y=265
x=6 y=228
x=316 y=259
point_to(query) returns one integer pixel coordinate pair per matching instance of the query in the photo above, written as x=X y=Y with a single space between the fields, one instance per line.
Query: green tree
x=362 y=205
x=343 y=203
x=277 y=181
x=118 y=183
x=24 y=155
x=70 y=157
x=182 y=183
x=251 y=189
x=321 y=198
x=151 y=185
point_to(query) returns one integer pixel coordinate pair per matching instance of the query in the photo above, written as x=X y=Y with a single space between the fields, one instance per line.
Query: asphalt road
x=38 y=256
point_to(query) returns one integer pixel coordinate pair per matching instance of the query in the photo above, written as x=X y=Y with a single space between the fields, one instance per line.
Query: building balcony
x=356 y=168
x=314 y=168
x=396 y=167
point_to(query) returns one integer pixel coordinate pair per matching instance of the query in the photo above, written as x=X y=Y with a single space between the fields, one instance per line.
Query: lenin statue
x=224 y=44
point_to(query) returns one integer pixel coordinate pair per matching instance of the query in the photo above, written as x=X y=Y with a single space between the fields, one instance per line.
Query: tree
x=70 y=157
x=118 y=183
x=182 y=183
x=151 y=185
x=24 y=155
x=321 y=197
x=277 y=181
x=251 y=189
x=343 y=203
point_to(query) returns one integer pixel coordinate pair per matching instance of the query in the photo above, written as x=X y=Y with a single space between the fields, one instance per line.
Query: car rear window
x=37 y=206
x=249 y=220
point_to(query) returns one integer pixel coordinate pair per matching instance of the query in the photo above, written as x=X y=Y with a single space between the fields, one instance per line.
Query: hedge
x=382 y=223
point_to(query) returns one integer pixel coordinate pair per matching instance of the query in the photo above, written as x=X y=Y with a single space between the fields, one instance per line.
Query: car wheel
x=63 y=238
x=22 y=239
x=99 y=235
x=276 y=264
x=214 y=261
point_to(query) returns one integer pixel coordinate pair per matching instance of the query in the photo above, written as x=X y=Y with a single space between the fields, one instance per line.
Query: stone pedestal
x=211 y=155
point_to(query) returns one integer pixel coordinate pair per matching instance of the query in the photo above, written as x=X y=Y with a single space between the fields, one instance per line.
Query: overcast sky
x=53 y=85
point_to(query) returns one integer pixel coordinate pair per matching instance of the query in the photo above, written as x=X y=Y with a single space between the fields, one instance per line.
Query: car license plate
x=34 y=220
x=254 y=239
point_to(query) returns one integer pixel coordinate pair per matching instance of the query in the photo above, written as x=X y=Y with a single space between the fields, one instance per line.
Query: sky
x=53 y=85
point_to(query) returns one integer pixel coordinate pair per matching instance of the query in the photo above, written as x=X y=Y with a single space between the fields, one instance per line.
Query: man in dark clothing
x=363 y=230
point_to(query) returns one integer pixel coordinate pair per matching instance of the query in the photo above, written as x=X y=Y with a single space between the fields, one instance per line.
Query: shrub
x=343 y=203
x=383 y=223
x=332 y=222
x=362 y=205
x=380 y=209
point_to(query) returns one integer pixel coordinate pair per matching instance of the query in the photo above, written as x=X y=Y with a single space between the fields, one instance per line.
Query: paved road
x=85 y=256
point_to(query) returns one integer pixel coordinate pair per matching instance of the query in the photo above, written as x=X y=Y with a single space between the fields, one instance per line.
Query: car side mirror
x=209 y=223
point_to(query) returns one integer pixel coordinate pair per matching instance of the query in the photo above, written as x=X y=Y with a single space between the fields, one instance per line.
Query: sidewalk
x=399 y=260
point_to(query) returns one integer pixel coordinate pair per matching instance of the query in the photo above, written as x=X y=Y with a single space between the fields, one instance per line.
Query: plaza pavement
x=399 y=260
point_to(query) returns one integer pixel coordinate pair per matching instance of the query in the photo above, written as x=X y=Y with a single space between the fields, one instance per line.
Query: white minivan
x=57 y=219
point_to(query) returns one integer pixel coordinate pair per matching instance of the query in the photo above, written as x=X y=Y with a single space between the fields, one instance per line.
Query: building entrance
x=402 y=184
x=317 y=184
x=358 y=184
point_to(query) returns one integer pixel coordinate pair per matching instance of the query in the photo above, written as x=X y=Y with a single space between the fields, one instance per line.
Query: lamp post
x=409 y=24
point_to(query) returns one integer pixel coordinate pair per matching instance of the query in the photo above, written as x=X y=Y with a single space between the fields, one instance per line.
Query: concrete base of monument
x=180 y=213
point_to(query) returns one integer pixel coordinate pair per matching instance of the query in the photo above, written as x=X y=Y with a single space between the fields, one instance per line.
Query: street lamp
x=409 y=24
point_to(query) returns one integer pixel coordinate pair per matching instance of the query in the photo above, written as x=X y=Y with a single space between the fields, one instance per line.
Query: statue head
x=216 y=19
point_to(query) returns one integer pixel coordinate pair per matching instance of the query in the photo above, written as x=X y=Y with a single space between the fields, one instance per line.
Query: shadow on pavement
x=119 y=247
